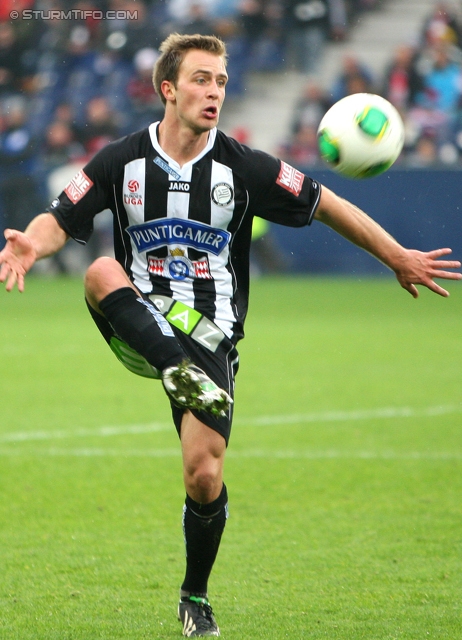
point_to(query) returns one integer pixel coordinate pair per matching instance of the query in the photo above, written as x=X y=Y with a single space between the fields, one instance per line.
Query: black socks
x=142 y=327
x=203 y=526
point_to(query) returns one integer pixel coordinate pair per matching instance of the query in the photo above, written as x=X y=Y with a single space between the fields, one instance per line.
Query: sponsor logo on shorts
x=290 y=178
x=78 y=187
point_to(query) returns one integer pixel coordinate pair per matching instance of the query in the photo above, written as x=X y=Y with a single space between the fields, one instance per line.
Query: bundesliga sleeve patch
x=78 y=187
x=290 y=178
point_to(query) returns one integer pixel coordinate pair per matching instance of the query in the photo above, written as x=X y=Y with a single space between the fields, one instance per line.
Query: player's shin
x=142 y=327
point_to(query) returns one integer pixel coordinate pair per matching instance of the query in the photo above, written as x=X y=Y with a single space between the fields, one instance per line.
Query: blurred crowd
x=75 y=75
x=424 y=82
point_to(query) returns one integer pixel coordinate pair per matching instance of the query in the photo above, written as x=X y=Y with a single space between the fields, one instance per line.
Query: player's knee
x=102 y=277
x=99 y=269
x=203 y=483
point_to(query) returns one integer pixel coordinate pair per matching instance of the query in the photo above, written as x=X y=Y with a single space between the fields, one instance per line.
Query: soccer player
x=172 y=303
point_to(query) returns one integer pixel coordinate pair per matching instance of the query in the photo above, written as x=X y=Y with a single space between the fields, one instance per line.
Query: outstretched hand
x=421 y=268
x=16 y=258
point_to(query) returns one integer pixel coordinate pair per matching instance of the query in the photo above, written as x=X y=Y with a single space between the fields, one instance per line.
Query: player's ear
x=168 y=90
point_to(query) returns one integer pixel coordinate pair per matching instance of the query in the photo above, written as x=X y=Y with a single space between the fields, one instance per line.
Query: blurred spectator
x=310 y=108
x=442 y=85
x=302 y=149
x=63 y=113
x=12 y=72
x=60 y=147
x=338 y=18
x=135 y=31
x=261 y=26
x=145 y=104
x=196 y=20
x=402 y=82
x=308 y=25
x=354 y=77
x=179 y=10
x=225 y=8
x=442 y=25
x=81 y=82
x=20 y=194
x=101 y=126
x=424 y=154
x=437 y=105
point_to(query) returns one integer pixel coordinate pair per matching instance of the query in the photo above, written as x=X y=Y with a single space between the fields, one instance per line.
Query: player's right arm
x=42 y=238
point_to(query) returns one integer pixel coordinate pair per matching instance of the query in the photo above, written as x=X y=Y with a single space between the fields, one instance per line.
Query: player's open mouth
x=211 y=112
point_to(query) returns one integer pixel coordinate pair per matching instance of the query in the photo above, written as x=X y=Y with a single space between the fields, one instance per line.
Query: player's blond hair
x=174 y=48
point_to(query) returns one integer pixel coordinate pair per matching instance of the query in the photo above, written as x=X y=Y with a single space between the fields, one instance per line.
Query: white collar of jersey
x=171 y=161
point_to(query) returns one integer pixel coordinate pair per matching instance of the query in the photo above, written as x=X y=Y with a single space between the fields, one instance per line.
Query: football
x=361 y=135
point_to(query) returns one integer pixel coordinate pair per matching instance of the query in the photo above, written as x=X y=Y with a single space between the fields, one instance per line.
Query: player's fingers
x=436 y=253
x=4 y=271
x=447 y=264
x=20 y=283
x=447 y=275
x=411 y=288
x=11 y=280
x=437 y=289
x=9 y=234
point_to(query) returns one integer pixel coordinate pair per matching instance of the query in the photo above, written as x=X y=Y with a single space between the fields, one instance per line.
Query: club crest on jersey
x=179 y=267
x=222 y=194
x=176 y=231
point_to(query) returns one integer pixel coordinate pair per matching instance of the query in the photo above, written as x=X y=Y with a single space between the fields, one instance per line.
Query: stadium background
x=70 y=82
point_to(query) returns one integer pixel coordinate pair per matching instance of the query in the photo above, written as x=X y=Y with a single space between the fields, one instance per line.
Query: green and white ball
x=361 y=135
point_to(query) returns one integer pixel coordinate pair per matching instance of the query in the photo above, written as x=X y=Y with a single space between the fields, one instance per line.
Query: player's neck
x=181 y=143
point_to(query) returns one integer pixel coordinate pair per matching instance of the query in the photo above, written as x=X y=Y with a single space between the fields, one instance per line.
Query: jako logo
x=133 y=186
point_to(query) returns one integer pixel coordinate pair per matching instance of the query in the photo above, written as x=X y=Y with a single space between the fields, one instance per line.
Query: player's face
x=200 y=90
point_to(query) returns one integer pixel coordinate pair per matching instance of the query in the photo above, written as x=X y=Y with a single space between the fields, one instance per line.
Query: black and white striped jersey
x=185 y=232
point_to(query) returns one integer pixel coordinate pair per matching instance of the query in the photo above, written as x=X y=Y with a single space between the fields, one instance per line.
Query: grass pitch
x=344 y=472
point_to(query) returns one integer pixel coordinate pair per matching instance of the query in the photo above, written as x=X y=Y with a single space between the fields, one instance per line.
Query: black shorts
x=221 y=366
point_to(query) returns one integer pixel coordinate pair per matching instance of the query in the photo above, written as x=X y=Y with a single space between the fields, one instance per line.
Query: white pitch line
x=331 y=454
x=259 y=421
x=355 y=415
x=99 y=432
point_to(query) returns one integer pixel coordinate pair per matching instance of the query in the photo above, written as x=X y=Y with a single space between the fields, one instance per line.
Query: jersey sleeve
x=87 y=194
x=279 y=192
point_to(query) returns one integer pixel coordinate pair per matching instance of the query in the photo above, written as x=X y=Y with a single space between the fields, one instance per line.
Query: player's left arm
x=411 y=267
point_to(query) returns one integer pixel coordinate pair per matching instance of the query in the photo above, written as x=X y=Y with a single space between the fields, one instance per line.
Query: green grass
x=344 y=472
